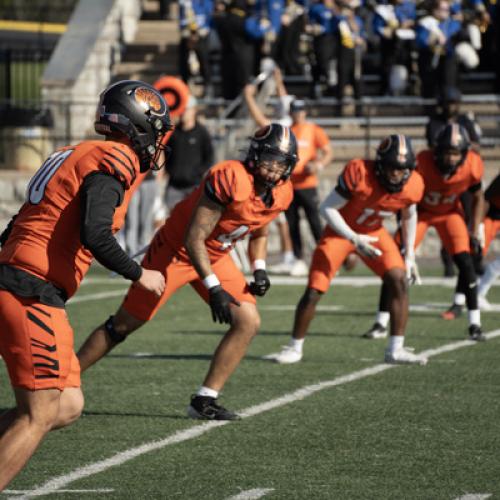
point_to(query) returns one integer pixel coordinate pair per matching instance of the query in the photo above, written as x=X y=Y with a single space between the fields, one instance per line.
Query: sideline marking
x=61 y=481
x=252 y=494
x=474 y=496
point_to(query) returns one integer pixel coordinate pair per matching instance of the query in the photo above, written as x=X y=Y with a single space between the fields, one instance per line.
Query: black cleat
x=453 y=312
x=206 y=408
x=377 y=331
x=476 y=334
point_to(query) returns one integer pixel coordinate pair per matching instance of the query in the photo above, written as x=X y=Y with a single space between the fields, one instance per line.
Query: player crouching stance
x=75 y=202
x=366 y=193
x=235 y=199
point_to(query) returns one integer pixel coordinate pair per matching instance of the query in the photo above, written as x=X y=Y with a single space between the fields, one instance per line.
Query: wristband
x=259 y=264
x=210 y=281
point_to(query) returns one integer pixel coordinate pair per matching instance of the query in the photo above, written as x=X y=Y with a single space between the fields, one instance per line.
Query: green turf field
x=428 y=432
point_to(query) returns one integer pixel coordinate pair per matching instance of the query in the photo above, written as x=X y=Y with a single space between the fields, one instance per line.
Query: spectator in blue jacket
x=321 y=28
x=394 y=24
x=195 y=22
x=436 y=37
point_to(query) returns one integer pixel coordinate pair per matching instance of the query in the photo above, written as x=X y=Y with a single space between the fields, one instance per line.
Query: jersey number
x=434 y=198
x=228 y=239
x=376 y=215
x=38 y=183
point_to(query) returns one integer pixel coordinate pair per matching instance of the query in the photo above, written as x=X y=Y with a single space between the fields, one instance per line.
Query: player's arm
x=256 y=113
x=409 y=221
x=100 y=195
x=257 y=251
x=205 y=217
x=478 y=206
x=329 y=210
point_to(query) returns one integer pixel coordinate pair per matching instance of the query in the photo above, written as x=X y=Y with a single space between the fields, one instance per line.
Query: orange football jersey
x=370 y=203
x=442 y=195
x=45 y=238
x=244 y=210
x=309 y=137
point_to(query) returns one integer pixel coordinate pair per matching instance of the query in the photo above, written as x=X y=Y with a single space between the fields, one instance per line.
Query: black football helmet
x=452 y=138
x=273 y=142
x=138 y=111
x=394 y=152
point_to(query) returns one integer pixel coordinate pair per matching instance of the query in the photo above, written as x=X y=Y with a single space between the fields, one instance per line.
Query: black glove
x=219 y=301
x=476 y=251
x=261 y=284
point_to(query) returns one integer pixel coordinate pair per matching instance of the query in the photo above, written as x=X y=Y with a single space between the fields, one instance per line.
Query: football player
x=74 y=204
x=235 y=199
x=367 y=192
x=448 y=170
x=491 y=229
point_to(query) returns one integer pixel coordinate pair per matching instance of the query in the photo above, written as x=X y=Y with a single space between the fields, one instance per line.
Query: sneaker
x=377 y=331
x=476 y=333
x=299 y=268
x=206 y=408
x=403 y=357
x=453 y=312
x=483 y=303
x=286 y=356
x=281 y=268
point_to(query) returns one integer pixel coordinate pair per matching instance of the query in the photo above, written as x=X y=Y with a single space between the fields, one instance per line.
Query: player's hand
x=412 y=273
x=220 y=302
x=363 y=244
x=261 y=283
x=152 y=281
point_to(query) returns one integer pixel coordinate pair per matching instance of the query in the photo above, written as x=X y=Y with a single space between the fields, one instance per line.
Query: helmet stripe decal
x=455 y=135
x=285 y=138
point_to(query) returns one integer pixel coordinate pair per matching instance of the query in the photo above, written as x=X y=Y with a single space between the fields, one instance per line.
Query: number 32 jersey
x=369 y=202
x=232 y=186
x=442 y=194
x=45 y=239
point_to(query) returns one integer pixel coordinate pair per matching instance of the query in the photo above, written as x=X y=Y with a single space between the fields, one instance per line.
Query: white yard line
x=252 y=494
x=58 y=482
x=474 y=496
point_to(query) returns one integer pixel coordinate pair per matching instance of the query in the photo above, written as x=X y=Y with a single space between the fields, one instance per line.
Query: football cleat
x=286 y=356
x=377 y=331
x=206 y=408
x=403 y=356
x=453 y=312
x=476 y=333
x=299 y=268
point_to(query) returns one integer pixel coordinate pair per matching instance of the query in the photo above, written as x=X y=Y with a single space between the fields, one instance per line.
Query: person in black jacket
x=191 y=155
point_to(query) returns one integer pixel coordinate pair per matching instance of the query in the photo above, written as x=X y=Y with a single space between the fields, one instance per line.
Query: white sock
x=288 y=257
x=396 y=342
x=475 y=317
x=383 y=318
x=296 y=344
x=206 y=391
x=459 y=299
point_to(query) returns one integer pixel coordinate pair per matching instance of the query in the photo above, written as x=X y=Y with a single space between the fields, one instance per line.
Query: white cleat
x=299 y=268
x=403 y=356
x=483 y=303
x=377 y=331
x=281 y=268
x=286 y=356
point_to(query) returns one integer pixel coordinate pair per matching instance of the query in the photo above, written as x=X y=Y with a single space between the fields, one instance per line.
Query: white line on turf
x=252 y=494
x=59 y=482
x=474 y=496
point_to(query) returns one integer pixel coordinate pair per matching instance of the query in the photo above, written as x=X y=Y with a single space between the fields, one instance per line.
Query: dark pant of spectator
x=307 y=199
x=349 y=72
x=437 y=73
x=164 y=8
x=237 y=54
x=393 y=51
x=288 y=47
x=201 y=48
x=324 y=49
